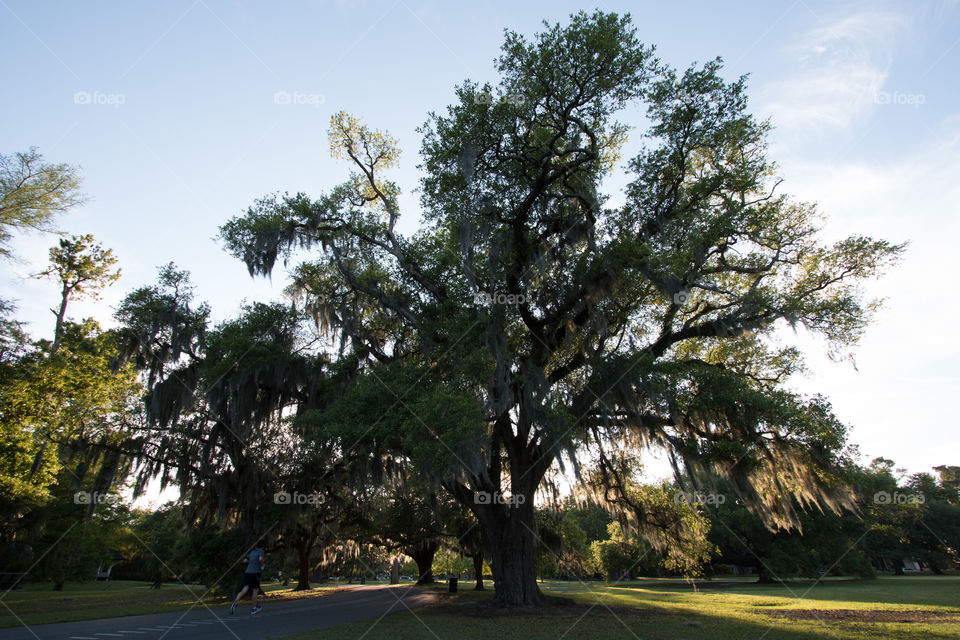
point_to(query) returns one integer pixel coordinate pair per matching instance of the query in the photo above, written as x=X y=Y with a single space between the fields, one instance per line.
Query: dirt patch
x=865 y=615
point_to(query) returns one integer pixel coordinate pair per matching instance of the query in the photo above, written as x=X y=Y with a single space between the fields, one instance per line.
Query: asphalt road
x=277 y=618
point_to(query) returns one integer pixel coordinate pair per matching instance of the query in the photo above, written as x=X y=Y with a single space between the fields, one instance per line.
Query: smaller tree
x=331 y=510
x=619 y=554
x=449 y=561
x=675 y=528
x=417 y=521
x=156 y=535
x=824 y=542
x=33 y=193
x=77 y=535
x=82 y=267
x=565 y=545
x=211 y=554
x=470 y=543
x=950 y=481
x=917 y=518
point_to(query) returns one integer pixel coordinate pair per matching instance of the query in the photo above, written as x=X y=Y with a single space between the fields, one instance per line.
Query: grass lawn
x=37 y=603
x=838 y=609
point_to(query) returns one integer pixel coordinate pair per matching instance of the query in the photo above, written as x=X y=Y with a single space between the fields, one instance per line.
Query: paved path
x=276 y=619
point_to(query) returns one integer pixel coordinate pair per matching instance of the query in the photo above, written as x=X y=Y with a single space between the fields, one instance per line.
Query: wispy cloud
x=840 y=69
x=907 y=369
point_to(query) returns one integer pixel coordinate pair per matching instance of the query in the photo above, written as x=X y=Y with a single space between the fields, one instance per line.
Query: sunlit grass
x=645 y=609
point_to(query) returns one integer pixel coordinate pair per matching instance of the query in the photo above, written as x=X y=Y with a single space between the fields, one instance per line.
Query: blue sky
x=171 y=109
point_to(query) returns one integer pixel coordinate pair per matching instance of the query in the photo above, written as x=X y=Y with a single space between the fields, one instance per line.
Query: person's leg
x=257 y=588
x=233 y=605
x=242 y=592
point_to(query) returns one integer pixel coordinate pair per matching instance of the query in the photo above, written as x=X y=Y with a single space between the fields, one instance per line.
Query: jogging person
x=251 y=578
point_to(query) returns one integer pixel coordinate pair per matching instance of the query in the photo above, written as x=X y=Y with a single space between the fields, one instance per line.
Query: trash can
x=453 y=585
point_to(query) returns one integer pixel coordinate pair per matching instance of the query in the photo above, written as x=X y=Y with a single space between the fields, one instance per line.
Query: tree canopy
x=559 y=323
x=33 y=193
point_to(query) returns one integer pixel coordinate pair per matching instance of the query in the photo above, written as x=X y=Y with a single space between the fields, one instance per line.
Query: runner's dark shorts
x=251 y=580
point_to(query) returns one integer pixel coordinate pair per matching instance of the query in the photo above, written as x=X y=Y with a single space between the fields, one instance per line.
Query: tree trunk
x=423 y=555
x=478 y=570
x=764 y=576
x=37 y=461
x=898 y=567
x=513 y=548
x=58 y=585
x=303 y=557
x=509 y=528
x=61 y=314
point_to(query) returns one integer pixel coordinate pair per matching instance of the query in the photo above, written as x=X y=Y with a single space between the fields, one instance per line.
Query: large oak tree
x=528 y=319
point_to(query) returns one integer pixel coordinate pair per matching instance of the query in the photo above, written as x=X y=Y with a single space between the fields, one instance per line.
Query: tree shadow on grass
x=474 y=621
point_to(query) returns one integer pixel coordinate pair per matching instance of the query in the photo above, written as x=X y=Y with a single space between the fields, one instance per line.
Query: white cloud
x=900 y=402
x=840 y=69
